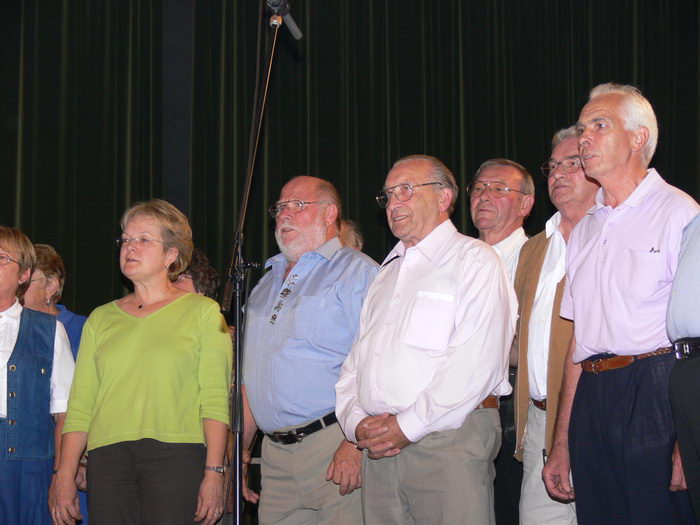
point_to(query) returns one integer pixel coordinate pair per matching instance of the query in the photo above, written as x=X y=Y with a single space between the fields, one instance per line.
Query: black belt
x=297 y=435
x=687 y=347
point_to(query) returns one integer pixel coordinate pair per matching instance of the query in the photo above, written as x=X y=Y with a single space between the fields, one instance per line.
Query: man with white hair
x=617 y=434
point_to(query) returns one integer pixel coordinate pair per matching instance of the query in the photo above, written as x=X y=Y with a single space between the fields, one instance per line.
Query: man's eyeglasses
x=494 y=188
x=402 y=192
x=6 y=259
x=293 y=207
x=568 y=165
x=143 y=242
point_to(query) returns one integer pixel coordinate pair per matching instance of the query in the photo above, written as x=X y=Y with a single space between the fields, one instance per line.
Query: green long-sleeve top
x=155 y=377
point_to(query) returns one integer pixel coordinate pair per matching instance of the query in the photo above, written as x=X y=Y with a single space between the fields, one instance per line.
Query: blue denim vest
x=28 y=431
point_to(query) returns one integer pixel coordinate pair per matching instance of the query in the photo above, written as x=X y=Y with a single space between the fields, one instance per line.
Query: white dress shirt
x=434 y=337
x=509 y=250
x=539 y=334
x=63 y=364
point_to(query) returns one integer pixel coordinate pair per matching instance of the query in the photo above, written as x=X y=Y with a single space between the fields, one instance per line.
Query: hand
x=63 y=501
x=248 y=494
x=210 y=500
x=345 y=468
x=382 y=436
x=556 y=474
x=677 y=475
x=81 y=478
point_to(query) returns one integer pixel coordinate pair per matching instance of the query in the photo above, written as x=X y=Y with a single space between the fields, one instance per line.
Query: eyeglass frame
x=386 y=193
x=548 y=172
x=487 y=186
x=285 y=204
x=140 y=241
x=9 y=260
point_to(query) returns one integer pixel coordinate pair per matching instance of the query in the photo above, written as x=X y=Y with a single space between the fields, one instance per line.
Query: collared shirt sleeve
x=348 y=409
x=61 y=372
x=477 y=353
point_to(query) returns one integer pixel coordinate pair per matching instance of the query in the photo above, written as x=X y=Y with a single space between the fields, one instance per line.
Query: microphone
x=281 y=8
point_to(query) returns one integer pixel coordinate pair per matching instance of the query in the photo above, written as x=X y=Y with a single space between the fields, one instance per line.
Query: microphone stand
x=239 y=270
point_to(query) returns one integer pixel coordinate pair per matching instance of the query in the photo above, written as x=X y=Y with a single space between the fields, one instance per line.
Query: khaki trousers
x=536 y=507
x=294 y=487
x=446 y=478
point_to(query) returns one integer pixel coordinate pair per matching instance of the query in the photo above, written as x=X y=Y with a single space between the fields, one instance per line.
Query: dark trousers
x=621 y=437
x=685 y=399
x=145 y=482
x=509 y=471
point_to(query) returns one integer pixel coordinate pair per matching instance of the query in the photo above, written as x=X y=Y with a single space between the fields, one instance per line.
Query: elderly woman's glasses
x=568 y=165
x=402 y=192
x=494 y=188
x=6 y=259
x=136 y=241
x=292 y=206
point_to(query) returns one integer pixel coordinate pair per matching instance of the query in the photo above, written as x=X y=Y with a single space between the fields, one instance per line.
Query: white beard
x=307 y=241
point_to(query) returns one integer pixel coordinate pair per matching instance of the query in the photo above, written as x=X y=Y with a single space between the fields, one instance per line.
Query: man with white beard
x=301 y=319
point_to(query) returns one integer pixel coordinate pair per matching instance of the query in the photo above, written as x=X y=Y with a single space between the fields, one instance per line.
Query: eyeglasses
x=568 y=165
x=293 y=207
x=143 y=242
x=6 y=259
x=402 y=192
x=495 y=188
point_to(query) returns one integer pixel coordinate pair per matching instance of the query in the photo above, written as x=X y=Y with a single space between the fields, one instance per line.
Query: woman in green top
x=149 y=399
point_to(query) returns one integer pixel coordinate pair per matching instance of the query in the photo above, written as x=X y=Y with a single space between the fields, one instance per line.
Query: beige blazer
x=526 y=278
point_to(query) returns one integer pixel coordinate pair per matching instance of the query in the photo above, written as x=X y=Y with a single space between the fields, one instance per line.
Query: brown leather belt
x=542 y=405
x=619 y=361
x=489 y=402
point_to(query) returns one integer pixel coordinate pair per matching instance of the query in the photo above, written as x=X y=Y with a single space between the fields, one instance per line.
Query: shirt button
x=13 y=368
x=43 y=371
x=11 y=422
x=11 y=450
x=12 y=394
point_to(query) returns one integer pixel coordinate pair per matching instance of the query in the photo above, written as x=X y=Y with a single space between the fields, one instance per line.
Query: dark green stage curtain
x=81 y=109
x=81 y=133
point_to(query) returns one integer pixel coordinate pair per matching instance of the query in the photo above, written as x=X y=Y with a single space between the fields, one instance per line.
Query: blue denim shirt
x=298 y=332
x=27 y=433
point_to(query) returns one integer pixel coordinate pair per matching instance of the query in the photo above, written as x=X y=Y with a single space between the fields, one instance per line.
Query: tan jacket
x=526 y=278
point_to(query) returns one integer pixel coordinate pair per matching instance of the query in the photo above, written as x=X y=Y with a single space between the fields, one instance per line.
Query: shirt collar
x=326 y=250
x=14 y=311
x=511 y=244
x=428 y=246
x=637 y=197
x=552 y=225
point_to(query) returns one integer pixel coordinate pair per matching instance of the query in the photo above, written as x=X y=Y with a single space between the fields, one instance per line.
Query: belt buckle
x=290 y=437
x=682 y=350
x=594 y=366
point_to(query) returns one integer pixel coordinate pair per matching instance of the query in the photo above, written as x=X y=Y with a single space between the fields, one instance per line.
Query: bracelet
x=220 y=470
x=83 y=460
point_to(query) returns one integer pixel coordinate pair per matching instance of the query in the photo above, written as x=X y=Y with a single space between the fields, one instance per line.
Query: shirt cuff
x=412 y=426
x=58 y=406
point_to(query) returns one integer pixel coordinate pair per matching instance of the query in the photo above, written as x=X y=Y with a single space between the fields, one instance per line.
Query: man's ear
x=641 y=138
x=528 y=201
x=331 y=214
x=445 y=199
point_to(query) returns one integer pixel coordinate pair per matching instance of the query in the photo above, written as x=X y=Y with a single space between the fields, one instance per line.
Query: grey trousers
x=294 y=487
x=446 y=478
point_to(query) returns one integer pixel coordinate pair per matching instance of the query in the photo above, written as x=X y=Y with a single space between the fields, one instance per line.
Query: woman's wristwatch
x=220 y=470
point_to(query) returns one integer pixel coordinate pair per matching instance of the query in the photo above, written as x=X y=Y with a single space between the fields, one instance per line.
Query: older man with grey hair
x=617 y=435
x=418 y=390
x=543 y=336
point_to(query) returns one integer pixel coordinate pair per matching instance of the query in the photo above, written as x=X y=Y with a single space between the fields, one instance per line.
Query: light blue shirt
x=683 y=319
x=298 y=332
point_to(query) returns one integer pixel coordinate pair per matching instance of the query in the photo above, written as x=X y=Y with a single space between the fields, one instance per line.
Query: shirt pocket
x=643 y=270
x=308 y=311
x=431 y=321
